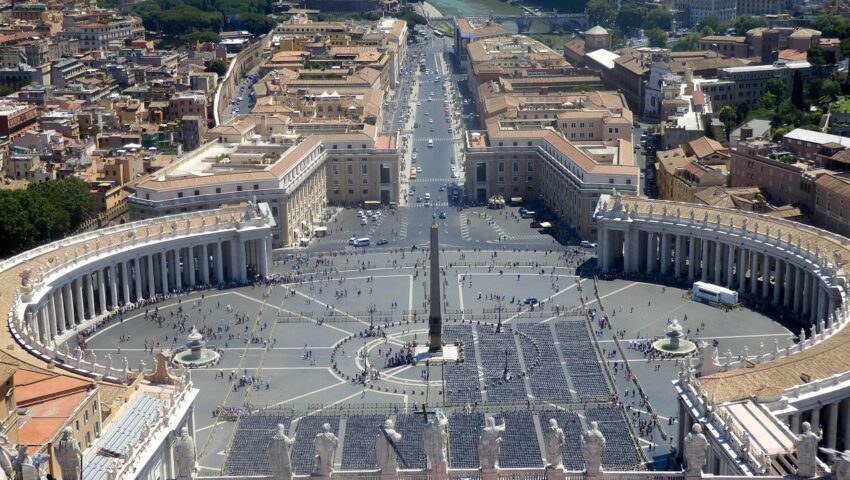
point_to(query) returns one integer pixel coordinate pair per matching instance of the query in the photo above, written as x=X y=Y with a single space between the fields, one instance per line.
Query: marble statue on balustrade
x=385 y=448
x=435 y=439
x=69 y=455
x=807 y=450
x=280 y=454
x=696 y=450
x=554 y=440
x=324 y=446
x=592 y=445
x=490 y=444
x=841 y=463
x=26 y=467
x=185 y=461
x=7 y=455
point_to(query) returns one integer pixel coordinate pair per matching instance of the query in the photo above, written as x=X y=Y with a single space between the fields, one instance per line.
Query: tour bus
x=713 y=294
x=430 y=143
x=362 y=242
x=413 y=174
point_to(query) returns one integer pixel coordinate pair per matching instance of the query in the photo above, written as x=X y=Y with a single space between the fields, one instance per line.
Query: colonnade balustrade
x=80 y=279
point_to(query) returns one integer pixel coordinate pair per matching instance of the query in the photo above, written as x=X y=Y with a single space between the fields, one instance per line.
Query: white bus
x=710 y=293
x=362 y=242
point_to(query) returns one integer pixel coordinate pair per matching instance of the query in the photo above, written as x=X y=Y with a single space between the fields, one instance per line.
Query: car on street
x=427 y=196
x=363 y=221
x=411 y=193
x=427 y=203
x=442 y=188
x=531 y=301
x=442 y=214
x=382 y=241
x=588 y=244
x=418 y=169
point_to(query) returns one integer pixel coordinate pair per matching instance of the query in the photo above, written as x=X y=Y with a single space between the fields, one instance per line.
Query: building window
x=256 y=186
x=365 y=191
x=197 y=192
x=364 y=169
x=179 y=194
x=218 y=190
x=238 y=188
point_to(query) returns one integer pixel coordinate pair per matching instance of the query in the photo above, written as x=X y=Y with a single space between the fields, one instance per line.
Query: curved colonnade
x=56 y=289
x=797 y=269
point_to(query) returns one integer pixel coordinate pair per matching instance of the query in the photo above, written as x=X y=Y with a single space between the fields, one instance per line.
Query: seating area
x=582 y=362
x=248 y=451
x=464 y=431
x=547 y=379
x=302 y=451
x=571 y=424
x=620 y=450
x=492 y=347
x=411 y=426
x=358 y=448
x=520 y=448
x=461 y=379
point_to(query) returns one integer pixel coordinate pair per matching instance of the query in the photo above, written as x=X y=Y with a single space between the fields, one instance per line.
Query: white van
x=361 y=242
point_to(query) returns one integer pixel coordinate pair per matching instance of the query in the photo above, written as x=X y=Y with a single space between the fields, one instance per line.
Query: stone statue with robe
x=324 y=445
x=490 y=444
x=592 y=444
x=554 y=440
x=69 y=455
x=7 y=456
x=385 y=448
x=280 y=454
x=696 y=450
x=807 y=451
x=435 y=442
x=184 y=456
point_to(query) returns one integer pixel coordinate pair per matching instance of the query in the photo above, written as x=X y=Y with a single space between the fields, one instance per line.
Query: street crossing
x=434 y=180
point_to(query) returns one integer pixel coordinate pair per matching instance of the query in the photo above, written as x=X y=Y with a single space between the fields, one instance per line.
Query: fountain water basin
x=196 y=353
x=674 y=342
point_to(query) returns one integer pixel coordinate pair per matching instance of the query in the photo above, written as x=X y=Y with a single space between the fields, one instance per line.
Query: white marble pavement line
x=368 y=392
x=547 y=300
x=303 y=395
x=324 y=324
x=726 y=337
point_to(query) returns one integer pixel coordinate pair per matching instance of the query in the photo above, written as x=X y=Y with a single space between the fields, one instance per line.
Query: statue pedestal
x=594 y=474
x=691 y=475
x=389 y=476
x=489 y=474
x=555 y=473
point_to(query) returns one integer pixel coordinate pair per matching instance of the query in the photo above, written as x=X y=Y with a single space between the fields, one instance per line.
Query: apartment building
x=470 y=30
x=772 y=167
x=681 y=177
x=100 y=33
x=298 y=175
x=540 y=164
x=725 y=10
x=16 y=118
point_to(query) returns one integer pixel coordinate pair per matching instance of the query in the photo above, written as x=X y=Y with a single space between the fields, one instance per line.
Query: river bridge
x=571 y=21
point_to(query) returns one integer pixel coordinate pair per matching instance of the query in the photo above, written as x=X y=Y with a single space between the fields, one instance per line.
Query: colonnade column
x=137 y=277
x=741 y=269
x=59 y=302
x=718 y=262
x=151 y=277
x=677 y=263
x=845 y=415
x=765 y=287
x=219 y=261
x=650 y=252
x=795 y=423
x=40 y=318
x=691 y=257
x=205 y=264
x=163 y=271
x=78 y=301
x=264 y=257
x=242 y=262
x=665 y=253
x=125 y=281
x=51 y=308
x=101 y=290
x=113 y=284
x=777 y=282
x=178 y=275
x=832 y=425
x=234 y=260
x=815 y=419
x=704 y=261
x=807 y=293
x=190 y=264
x=730 y=266
x=90 y=295
x=789 y=284
x=798 y=288
x=69 y=307
x=754 y=272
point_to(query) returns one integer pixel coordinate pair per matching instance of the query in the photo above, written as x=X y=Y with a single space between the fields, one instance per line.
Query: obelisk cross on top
x=435 y=315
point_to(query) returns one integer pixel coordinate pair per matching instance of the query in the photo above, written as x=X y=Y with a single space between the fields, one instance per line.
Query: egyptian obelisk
x=435 y=316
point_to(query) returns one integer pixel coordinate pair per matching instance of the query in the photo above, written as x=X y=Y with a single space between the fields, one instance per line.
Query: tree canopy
x=657 y=38
x=744 y=23
x=710 y=25
x=181 y=17
x=41 y=213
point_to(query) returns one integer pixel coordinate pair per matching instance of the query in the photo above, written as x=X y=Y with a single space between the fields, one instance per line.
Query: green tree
x=712 y=24
x=831 y=25
x=688 y=43
x=767 y=101
x=201 y=36
x=797 y=90
x=830 y=89
x=742 y=109
x=744 y=23
x=217 y=66
x=630 y=17
x=728 y=117
x=413 y=19
x=659 y=18
x=599 y=12
x=778 y=133
x=657 y=38
x=776 y=87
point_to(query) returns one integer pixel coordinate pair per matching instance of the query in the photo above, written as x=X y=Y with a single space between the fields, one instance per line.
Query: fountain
x=675 y=342
x=196 y=355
